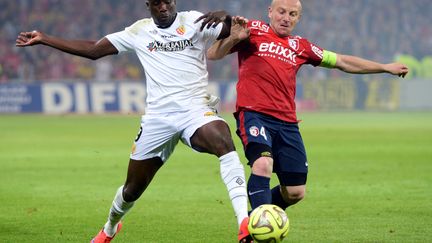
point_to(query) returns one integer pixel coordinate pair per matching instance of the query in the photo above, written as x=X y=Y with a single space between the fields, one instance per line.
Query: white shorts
x=160 y=133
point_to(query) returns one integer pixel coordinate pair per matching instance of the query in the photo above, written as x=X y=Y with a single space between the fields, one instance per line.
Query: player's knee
x=221 y=145
x=260 y=158
x=131 y=193
x=296 y=196
x=263 y=166
x=293 y=194
x=214 y=138
x=218 y=144
x=225 y=144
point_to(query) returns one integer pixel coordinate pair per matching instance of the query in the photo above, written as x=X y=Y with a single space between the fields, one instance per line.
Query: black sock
x=277 y=198
x=259 y=191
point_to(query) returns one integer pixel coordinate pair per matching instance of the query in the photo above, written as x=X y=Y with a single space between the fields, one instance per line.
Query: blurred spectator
x=369 y=28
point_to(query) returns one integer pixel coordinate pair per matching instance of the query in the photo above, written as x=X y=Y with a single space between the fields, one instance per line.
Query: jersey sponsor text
x=170 y=46
x=273 y=48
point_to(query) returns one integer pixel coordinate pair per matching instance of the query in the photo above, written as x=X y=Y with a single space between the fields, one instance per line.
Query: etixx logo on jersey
x=284 y=53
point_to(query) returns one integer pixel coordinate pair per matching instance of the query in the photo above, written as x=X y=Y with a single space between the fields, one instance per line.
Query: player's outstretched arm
x=239 y=32
x=357 y=65
x=88 y=49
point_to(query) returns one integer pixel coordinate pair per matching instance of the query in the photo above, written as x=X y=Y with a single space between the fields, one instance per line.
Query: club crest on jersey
x=169 y=46
x=254 y=131
x=294 y=44
x=181 y=30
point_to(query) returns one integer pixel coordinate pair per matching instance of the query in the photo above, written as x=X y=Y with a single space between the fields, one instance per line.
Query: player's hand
x=29 y=38
x=397 y=69
x=212 y=19
x=239 y=29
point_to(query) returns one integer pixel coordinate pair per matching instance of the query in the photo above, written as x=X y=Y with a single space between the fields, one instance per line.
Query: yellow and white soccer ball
x=268 y=223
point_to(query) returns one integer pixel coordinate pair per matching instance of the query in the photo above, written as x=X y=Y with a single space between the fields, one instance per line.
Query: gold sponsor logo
x=210 y=113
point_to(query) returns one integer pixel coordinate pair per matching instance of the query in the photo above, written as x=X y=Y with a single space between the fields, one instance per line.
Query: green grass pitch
x=370 y=180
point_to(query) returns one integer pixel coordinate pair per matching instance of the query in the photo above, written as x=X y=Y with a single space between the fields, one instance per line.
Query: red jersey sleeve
x=313 y=53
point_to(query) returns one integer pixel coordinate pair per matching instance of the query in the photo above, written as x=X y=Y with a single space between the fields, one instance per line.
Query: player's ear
x=148 y=5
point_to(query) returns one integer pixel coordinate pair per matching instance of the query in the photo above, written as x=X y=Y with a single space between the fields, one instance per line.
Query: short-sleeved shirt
x=268 y=65
x=173 y=58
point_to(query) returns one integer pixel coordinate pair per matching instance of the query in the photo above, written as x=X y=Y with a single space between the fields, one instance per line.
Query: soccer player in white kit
x=171 y=47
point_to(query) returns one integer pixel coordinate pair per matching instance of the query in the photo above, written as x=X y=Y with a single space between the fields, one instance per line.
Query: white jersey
x=174 y=60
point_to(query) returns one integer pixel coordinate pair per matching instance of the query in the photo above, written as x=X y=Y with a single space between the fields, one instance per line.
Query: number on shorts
x=262 y=132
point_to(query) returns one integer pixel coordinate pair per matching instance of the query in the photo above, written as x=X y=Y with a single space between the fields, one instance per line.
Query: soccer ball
x=268 y=223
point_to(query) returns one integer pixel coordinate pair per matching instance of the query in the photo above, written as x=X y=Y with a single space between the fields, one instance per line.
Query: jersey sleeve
x=125 y=40
x=209 y=34
x=314 y=53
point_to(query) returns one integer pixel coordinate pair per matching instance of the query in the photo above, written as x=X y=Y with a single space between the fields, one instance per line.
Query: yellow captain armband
x=329 y=59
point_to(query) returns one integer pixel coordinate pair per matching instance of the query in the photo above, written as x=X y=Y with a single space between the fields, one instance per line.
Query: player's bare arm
x=357 y=65
x=238 y=33
x=84 y=48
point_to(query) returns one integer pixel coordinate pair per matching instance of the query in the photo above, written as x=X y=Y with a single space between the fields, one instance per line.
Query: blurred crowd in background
x=374 y=29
